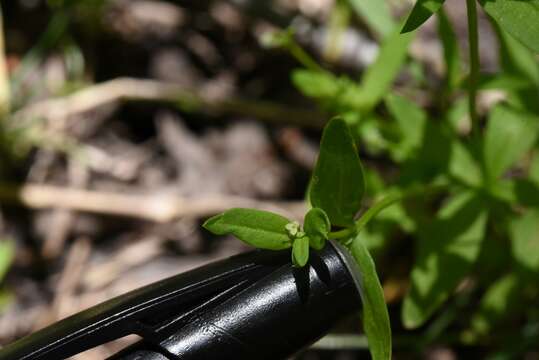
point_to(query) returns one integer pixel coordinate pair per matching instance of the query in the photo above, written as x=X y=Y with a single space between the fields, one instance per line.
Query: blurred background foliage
x=125 y=123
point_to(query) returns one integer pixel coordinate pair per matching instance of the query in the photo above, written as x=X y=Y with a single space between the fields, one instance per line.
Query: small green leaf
x=317 y=226
x=300 y=251
x=7 y=253
x=411 y=121
x=379 y=77
x=515 y=58
x=337 y=183
x=496 y=304
x=375 y=316
x=421 y=12
x=261 y=229
x=463 y=166
x=453 y=66
x=524 y=232
x=518 y=18
x=509 y=134
x=316 y=84
x=447 y=249
x=376 y=14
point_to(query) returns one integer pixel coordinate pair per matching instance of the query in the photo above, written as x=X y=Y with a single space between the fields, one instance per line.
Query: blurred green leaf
x=447 y=249
x=496 y=304
x=502 y=82
x=317 y=226
x=518 y=18
x=432 y=159
x=316 y=84
x=453 y=66
x=375 y=316
x=422 y=11
x=376 y=14
x=509 y=134
x=463 y=166
x=262 y=229
x=337 y=184
x=518 y=61
x=533 y=172
x=7 y=253
x=411 y=121
x=369 y=130
x=300 y=251
x=524 y=233
x=378 y=78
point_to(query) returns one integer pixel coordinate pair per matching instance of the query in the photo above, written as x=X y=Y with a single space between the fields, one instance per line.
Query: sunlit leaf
x=317 y=226
x=447 y=249
x=453 y=66
x=7 y=252
x=524 y=232
x=497 y=303
x=300 y=251
x=376 y=14
x=421 y=12
x=463 y=166
x=258 y=228
x=337 y=185
x=375 y=316
x=379 y=77
x=518 y=18
x=411 y=121
x=509 y=134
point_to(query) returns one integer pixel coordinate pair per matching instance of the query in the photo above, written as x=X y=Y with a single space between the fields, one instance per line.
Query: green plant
x=336 y=192
x=480 y=225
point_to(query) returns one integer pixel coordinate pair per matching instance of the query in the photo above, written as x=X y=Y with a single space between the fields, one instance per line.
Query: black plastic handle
x=254 y=305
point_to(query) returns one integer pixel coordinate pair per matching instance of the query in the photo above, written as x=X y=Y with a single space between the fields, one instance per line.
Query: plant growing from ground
x=336 y=193
x=481 y=238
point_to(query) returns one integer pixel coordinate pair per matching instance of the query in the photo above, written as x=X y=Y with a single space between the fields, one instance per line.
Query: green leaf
x=518 y=18
x=516 y=59
x=317 y=226
x=421 y=12
x=509 y=135
x=496 y=304
x=411 y=121
x=524 y=232
x=300 y=251
x=375 y=316
x=379 y=77
x=453 y=66
x=337 y=185
x=316 y=84
x=463 y=166
x=7 y=253
x=376 y=14
x=447 y=249
x=261 y=229
x=519 y=61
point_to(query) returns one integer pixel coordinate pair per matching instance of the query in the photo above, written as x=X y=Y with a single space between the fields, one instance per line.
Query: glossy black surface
x=251 y=306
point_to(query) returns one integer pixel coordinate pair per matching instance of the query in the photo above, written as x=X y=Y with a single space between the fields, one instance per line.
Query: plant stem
x=367 y=216
x=377 y=208
x=473 y=39
x=302 y=56
x=387 y=201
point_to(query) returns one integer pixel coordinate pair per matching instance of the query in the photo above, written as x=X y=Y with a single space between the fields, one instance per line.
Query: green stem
x=303 y=57
x=473 y=39
x=377 y=208
x=381 y=205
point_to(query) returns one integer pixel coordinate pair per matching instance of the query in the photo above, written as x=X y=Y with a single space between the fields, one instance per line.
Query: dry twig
x=158 y=207
x=129 y=89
